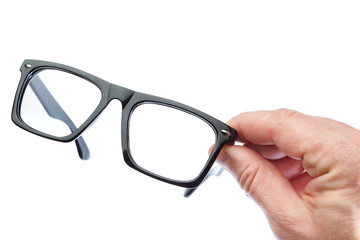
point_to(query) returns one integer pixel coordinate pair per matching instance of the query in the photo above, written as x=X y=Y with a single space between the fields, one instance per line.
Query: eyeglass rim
x=130 y=99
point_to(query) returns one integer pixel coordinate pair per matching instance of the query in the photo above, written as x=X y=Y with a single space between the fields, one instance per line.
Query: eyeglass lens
x=57 y=103
x=169 y=142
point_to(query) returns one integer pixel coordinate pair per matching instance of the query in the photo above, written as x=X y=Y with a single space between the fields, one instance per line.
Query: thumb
x=261 y=180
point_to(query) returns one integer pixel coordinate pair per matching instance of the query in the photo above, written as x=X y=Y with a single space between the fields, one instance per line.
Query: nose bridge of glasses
x=120 y=93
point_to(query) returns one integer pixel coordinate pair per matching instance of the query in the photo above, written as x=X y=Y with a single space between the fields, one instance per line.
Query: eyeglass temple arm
x=54 y=110
x=214 y=171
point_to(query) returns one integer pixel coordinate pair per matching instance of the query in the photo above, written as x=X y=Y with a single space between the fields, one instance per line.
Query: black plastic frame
x=130 y=100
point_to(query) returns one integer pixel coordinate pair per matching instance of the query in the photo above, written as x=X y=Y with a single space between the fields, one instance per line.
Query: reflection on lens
x=57 y=103
x=169 y=142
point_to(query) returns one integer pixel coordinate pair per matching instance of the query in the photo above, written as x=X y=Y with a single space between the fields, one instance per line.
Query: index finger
x=292 y=132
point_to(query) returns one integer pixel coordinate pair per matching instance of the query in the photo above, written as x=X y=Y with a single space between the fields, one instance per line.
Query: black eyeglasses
x=161 y=138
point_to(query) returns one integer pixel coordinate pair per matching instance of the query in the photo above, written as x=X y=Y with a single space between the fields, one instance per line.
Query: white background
x=222 y=57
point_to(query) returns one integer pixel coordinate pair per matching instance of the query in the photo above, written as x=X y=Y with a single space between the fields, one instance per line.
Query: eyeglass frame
x=130 y=100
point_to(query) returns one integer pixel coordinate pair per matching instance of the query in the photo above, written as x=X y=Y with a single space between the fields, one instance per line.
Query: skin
x=303 y=171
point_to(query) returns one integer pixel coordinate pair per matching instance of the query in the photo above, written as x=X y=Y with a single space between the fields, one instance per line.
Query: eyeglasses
x=161 y=138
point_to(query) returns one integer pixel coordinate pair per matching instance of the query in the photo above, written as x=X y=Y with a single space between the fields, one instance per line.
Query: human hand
x=303 y=171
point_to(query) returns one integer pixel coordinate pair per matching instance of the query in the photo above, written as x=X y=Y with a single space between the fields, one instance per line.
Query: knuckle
x=248 y=177
x=284 y=114
x=283 y=118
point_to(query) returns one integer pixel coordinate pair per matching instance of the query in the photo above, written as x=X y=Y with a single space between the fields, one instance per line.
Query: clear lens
x=57 y=103
x=169 y=142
